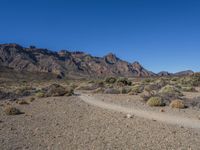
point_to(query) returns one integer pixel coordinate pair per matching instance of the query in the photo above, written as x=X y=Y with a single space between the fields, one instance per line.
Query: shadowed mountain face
x=65 y=63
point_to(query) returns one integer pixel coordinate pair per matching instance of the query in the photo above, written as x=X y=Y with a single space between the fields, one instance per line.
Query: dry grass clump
x=177 y=104
x=12 y=111
x=155 y=101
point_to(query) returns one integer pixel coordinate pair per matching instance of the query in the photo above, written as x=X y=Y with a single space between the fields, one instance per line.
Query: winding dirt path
x=166 y=118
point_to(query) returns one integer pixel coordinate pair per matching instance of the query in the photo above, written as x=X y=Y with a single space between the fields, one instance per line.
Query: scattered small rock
x=162 y=110
x=129 y=116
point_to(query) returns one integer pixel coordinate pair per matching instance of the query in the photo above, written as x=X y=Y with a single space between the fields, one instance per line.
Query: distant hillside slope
x=65 y=62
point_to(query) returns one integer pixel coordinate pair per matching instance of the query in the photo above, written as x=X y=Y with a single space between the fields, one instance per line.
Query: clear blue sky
x=160 y=34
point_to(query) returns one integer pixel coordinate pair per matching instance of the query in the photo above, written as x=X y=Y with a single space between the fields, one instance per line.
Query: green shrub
x=155 y=101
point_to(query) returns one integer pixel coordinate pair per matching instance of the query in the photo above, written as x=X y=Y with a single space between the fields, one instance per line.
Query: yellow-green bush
x=40 y=94
x=155 y=101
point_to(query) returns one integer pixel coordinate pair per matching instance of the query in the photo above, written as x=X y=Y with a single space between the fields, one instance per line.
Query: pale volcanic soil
x=69 y=123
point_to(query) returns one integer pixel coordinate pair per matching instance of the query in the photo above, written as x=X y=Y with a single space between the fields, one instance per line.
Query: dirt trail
x=166 y=118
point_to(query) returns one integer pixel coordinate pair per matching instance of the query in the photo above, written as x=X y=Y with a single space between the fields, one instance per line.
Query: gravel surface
x=68 y=123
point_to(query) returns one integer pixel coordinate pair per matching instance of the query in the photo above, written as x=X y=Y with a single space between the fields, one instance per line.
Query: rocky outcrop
x=164 y=73
x=184 y=73
x=65 y=63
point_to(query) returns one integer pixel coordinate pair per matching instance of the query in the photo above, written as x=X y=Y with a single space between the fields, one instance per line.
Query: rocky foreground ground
x=69 y=123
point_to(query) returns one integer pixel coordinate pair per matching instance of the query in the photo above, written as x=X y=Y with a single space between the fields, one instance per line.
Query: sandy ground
x=165 y=117
x=69 y=123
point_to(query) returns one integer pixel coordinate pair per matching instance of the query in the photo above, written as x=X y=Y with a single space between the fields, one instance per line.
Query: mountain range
x=68 y=63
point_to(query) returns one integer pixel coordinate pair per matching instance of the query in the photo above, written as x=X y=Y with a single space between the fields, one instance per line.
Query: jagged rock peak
x=137 y=65
x=111 y=58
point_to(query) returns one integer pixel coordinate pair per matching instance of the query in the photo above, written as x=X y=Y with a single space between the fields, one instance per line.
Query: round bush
x=155 y=101
x=177 y=104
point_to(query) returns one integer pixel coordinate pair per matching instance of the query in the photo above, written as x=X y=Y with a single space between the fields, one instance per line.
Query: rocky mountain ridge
x=64 y=62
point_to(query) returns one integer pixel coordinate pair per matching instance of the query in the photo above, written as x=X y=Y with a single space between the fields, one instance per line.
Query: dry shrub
x=177 y=104
x=12 y=111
